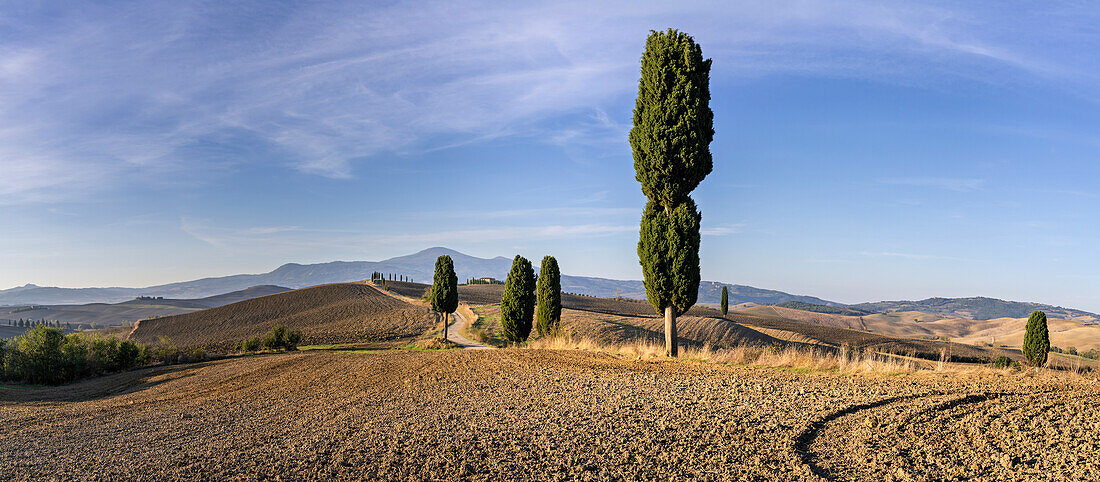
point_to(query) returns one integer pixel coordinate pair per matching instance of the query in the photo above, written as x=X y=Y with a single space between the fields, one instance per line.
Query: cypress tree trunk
x=445 y=320
x=671 y=341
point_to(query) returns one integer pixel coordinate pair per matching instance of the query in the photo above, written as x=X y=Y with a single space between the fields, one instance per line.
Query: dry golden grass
x=791 y=356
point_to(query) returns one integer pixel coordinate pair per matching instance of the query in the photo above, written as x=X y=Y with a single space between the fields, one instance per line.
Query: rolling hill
x=977 y=308
x=104 y=314
x=325 y=314
x=616 y=321
x=420 y=266
x=997 y=332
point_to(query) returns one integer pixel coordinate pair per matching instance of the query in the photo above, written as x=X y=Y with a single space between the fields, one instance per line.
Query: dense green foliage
x=444 y=297
x=831 y=310
x=668 y=248
x=517 y=305
x=673 y=123
x=252 y=344
x=1005 y=362
x=1036 y=339
x=549 y=297
x=47 y=356
x=673 y=128
x=281 y=338
x=725 y=300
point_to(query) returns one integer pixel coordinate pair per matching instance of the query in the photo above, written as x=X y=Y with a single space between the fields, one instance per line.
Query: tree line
x=379 y=276
x=526 y=297
x=47 y=356
x=28 y=323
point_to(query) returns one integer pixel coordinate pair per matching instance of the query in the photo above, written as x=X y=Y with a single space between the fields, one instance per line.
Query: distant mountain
x=419 y=267
x=709 y=291
x=979 y=308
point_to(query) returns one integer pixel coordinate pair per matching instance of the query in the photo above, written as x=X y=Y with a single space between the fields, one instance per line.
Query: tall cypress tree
x=725 y=300
x=1036 y=339
x=517 y=305
x=445 y=290
x=549 y=289
x=673 y=128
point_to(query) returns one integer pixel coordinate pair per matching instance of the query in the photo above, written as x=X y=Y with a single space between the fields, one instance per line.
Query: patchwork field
x=536 y=414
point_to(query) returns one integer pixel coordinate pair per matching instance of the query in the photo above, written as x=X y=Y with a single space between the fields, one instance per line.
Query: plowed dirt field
x=533 y=414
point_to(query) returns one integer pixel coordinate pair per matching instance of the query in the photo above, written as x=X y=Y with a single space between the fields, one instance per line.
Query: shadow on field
x=102 y=387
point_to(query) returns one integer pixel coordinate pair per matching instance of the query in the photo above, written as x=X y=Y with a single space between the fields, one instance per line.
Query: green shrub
x=252 y=344
x=129 y=354
x=1005 y=362
x=281 y=338
x=42 y=361
x=165 y=351
x=45 y=355
x=105 y=354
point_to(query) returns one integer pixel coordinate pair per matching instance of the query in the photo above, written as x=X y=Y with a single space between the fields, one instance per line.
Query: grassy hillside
x=336 y=313
x=620 y=321
x=978 y=308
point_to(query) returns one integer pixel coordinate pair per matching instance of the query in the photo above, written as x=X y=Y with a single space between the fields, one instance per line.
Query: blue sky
x=863 y=150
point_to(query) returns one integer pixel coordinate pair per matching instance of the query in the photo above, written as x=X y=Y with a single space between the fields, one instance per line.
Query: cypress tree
x=445 y=289
x=673 y=128
x=725 y=300
x=517 y=304
x=549 y=289
x=1036 y=339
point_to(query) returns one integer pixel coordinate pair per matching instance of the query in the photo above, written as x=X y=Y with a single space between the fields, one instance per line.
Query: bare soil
x=325 y=314
x=532 y=414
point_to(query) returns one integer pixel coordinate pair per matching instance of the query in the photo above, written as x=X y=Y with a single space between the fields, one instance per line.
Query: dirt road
x=454 y=335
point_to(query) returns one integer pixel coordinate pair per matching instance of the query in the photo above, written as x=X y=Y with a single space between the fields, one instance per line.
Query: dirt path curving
x=453 y=333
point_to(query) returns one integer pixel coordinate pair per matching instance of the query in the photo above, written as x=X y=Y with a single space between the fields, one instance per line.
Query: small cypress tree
x=445 y=289
x=549 y=289
x=670 y=139
x=517 y=304
x=1036 y=339
x=725 y=300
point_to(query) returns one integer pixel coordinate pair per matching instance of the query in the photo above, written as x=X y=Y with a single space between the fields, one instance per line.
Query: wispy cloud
x=946 y=183
x=293 y=237
x=103 y=96
x=724 y=230
x=911 y=256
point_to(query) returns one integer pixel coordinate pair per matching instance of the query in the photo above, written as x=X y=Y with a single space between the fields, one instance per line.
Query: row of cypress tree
x=523 y=291
x=21 y=323
x=377 y=276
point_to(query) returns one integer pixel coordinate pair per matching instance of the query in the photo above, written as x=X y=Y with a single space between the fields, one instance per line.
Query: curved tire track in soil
x=956 y=435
